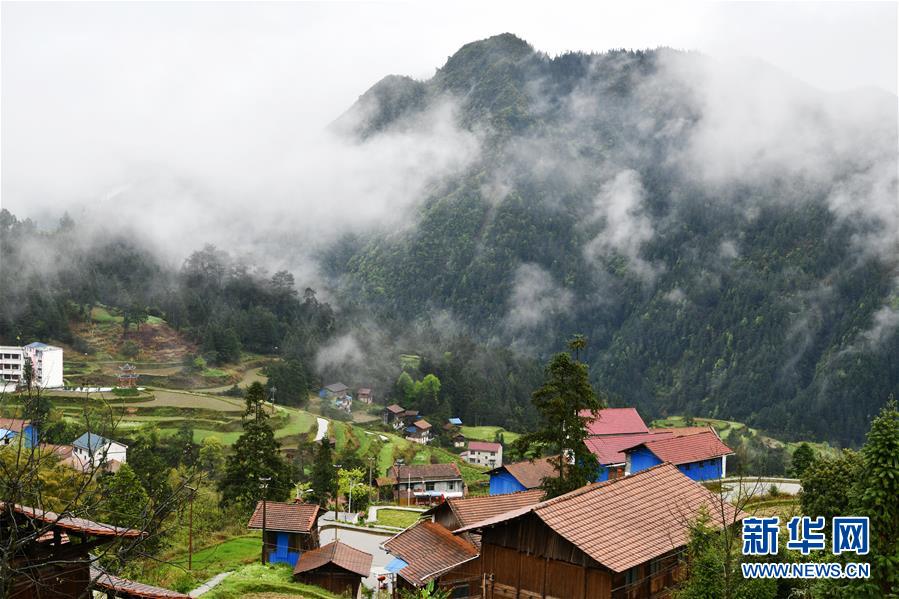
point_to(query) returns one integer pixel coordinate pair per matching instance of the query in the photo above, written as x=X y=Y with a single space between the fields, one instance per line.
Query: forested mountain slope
x=727 y=239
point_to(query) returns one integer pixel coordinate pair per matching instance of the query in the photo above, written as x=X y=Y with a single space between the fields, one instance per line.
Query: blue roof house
x=93 y=448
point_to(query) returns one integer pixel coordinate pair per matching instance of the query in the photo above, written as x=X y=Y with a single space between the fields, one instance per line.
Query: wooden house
x=419 y=432
x=393 y=415
x=701 y=456
x=457 y=512
x=336 y=567
x=521 y=476
x=610 y=449
x=620 y=539
x=334 y=391
x=53 y=560
x=289 y=529
x=364 y=395
x=427 y=551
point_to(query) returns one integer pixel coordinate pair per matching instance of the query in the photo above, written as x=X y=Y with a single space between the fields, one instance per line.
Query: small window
x=655 y=566
x=630 y=576
x=429 y=486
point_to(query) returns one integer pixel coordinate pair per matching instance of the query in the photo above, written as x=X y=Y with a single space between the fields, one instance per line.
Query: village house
x=393 y=416
x=427 y=551
x=363 y=394
x=410 y=417
x=91 y=448
x=334 y=391
x=56 y=568
x=555 y=548
x=289 y=529
x=700 y=456
x=614 y=430
x=423 y=552
x=456 y=512
x=424 y=483
x=419 y=432
x=336 y=567
x=521 y=476
x=458 y=440
x=484 y=453
x=10 y=428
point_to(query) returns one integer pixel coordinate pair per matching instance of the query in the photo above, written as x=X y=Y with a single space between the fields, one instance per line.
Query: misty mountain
x=725 y=235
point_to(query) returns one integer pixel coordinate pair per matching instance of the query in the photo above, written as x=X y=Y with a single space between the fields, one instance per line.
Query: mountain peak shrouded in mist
x=710 y=225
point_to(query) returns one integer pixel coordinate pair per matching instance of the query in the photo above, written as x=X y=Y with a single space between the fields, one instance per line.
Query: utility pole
x=263 y=485
x=190 y=531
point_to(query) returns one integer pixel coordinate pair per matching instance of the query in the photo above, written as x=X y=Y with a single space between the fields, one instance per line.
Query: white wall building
x=484 y=453
x=46 y=364
x=91 y=448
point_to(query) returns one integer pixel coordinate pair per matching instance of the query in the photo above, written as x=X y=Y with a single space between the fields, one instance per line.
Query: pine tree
x=802 y=459
x=254 y=456
x=324 y=485
x=565 y=395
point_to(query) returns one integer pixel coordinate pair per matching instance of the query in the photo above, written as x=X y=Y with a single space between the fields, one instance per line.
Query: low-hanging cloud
x=619 y=206
x=535 y=299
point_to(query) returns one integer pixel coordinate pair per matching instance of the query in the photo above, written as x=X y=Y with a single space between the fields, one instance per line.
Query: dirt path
x=249 y=377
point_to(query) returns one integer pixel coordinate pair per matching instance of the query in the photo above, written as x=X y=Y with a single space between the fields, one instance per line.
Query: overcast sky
x=92 y=90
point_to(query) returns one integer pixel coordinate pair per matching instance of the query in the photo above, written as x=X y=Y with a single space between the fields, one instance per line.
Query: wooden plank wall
x=522 y=576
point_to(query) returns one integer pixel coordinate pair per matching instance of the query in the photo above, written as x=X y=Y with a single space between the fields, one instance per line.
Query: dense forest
x=753 y=295
x=755 y=280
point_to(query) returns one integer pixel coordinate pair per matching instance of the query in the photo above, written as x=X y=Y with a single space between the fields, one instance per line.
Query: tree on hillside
x=565 y=395
x=802 y=458
x=126 y=499
x=827 y=487
x=211 y=457
x=254 y=456
x=291 y=379
x=324 y=485
x=878 y=499
x=405 y=389
x=427 y=392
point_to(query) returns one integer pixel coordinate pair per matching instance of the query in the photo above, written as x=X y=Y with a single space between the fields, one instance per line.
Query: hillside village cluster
x=508 y=543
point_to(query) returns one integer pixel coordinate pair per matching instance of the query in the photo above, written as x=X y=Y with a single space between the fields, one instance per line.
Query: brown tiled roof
x=469 y=510
x=430 y=550
x=689 y=448
x=627 y=521
x=102 y=580
x=615 y=421
x=336 y=553
x=73 y=524
x=13 y=424
x=422 y=424
x=286 y=517
x=396 y=409
x=531 y=474
x=426 y=471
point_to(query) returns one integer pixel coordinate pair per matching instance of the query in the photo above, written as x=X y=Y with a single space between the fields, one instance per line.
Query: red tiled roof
x=610 y=449
x=396 y=409
x=425 y=471
x=531 y=474
x=430 y=550
x=422 y=424
x=286 y=517
x=338 y=554
x=102 y=580
x=13 y=424
x=73 y=524
x=615 y=421
x=688 y=448
x=631 y=520
x=484 y=446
